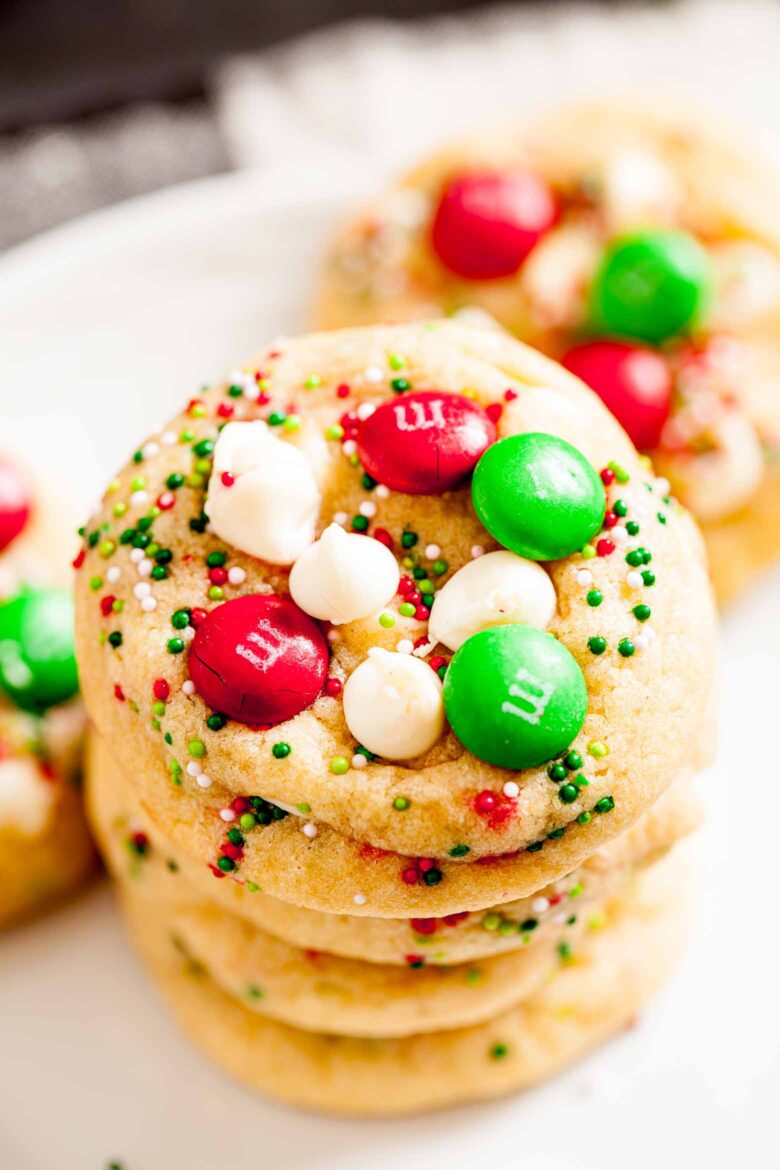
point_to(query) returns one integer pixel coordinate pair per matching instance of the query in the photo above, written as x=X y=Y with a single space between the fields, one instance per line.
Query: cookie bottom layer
x=583 y=1003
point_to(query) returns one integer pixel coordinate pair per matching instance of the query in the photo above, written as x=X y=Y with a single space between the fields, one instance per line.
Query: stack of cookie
x=400 y=665
x=45 y=848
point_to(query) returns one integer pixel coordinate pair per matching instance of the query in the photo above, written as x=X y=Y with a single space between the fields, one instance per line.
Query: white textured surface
x=366 y=98
x=114 y=322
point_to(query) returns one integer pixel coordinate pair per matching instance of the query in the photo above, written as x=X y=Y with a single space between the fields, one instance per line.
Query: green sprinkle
x=292 y=423
x=568 y=793
x=632 y=528
x=115 y=639
x=216 y=593
x=597 y=644
x=440 y=567
x=460 y=850
x=499 y=1051
x=175 y=480
x=180 y=618
x=396 y=361
x=406 y=609
x=312 y=382
x=247 y=821
x=281 y=750
x=360 y=523
x=159 y=573
x=398 y=385
x=641 y=612
x=597 y=749
x=573 y=761
x=216 y=722
x=584 y=818
x=175 y=645
x=339 y=765
x=276 y=418
x=235 y=391
x=216 y=560
x=620 y=508
x=204 y=447
x=334 y=432
x=196 y=748
x=594 y=598
x=401 y=803
x=408 y=538
x=432 y=877
x=158 y=708
x=386 y=620
x=605 y=805
x=557 y=772
x=226 y=865
x=648 y=578
x=95 y=583
x=626 y=648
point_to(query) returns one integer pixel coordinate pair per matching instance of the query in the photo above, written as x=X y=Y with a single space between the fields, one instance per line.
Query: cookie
x=45 y=849
x=609 y=978
x=437 y=797
x=638 y=245
x=141 y=855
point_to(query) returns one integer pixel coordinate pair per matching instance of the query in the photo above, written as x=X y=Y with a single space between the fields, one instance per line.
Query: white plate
x=107 y=326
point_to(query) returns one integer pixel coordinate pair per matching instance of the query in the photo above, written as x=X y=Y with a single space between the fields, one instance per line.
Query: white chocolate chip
x=497 y=589
x=393 y=705
x=343 y=576
x=271 y=507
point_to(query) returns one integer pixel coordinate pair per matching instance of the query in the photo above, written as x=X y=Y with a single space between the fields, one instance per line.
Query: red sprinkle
x=166 y=500
x=610 y=519
x=217 y=575
x=334 y=687
x=422 y=613
x=607 y=476
x=79 y=561
x=106 y=604
x=196 y=616
x=423 y=925
x=410 y=876
x=239 y=804
x=494 y=411
x=437 y=661
x=228 y=479
x=605 y=548
x=510 y=395
x=225 y=409
x=119 y=693
x=485 y=802
x=384 y=537
x=161 y=690
x=342 y=390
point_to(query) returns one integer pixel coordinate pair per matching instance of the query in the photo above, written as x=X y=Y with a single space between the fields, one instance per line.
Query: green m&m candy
x=651 y=285
x=514 y=696
x=538 y=496
x=37 y=656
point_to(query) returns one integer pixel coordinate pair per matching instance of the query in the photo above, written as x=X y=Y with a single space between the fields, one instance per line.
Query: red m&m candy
x=14 y=503
x=487 y=222
x=634 y=382
x=424 y=443
x=258 y=658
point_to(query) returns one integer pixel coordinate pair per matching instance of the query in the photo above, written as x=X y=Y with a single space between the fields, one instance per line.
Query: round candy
x=651 y=285
x=424 y=443
x=538 y=496
x=37 y=656
x=487 y=223
x=258 y=659
x=633 y=382
x=514 y=696
x=14 y=503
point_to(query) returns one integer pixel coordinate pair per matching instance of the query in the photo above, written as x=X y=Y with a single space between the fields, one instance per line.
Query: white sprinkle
x=227 y=814
x=187 y=634
x=148 y=604
x=204 y=781
x=188 y=687
x=662 y=486
x=358 y=761
x=349 y=446
x=433 y=552
x=511 y=789
x=634 y=579
x=405 y=646
x=423 y=650
x=540 y=905
x=236 y=576
x=365 y=410
x=360 y=899
x=142 y=589
x=381 y=492
x=641 y=642
x=150 y=450
x=136 y=555
x=368 y=509
x=560 y=917
x=373 y=374
x=619 y=534
x=584 y=577
x=167 y=438
x=194 y=768
x=113 y=574
x=649 y=633
x=310 y=830
x=145 y=567
x=333 y=637
x=138 y=498
x=340 y=518
x=477 y=550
